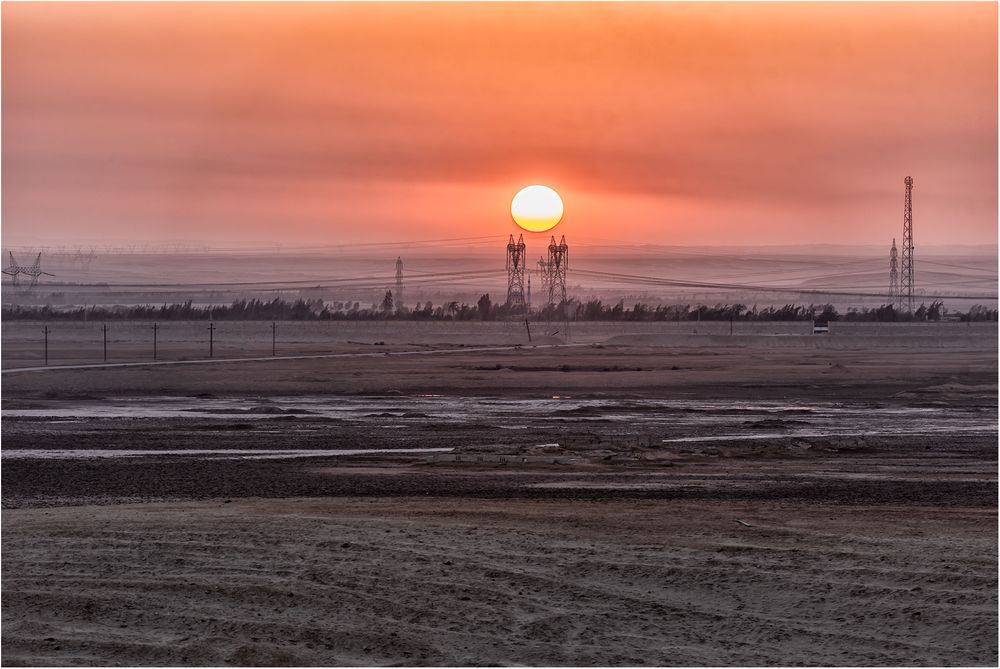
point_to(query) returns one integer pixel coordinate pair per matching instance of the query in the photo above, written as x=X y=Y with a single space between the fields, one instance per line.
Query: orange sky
x=662 y=123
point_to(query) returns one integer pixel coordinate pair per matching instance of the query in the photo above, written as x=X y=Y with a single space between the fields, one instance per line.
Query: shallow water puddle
x=663 y=415
x=805 y=434
x=222 y=453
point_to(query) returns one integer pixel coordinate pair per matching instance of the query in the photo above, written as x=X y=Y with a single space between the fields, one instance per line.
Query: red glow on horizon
x=670 y=123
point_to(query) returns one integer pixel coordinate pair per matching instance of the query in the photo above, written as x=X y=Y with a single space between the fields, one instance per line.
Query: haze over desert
x=499 y=334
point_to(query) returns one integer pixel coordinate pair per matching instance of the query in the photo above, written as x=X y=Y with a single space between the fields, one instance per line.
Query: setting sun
x=537 y=208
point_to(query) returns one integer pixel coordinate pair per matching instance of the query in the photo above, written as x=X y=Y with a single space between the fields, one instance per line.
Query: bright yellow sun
x=537 y=208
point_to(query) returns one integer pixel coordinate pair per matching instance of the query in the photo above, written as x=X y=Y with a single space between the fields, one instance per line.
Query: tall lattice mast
x=399 y=285
x=893 y=275
x=515 y=274
x=906 y=280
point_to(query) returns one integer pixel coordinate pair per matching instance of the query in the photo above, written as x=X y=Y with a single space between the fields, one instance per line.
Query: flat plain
x=452 y=494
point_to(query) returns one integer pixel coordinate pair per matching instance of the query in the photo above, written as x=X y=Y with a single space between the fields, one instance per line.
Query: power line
x=967 y=267
x=657 y=281
x=205 y=285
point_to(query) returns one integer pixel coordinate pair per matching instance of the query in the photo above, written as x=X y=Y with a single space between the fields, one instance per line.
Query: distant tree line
x=486 y=310
x=595 y=310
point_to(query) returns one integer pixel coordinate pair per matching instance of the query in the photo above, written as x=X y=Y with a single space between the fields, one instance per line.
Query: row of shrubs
x=487 y=310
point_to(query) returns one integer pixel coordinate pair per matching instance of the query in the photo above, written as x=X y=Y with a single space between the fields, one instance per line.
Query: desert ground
x=452 y=494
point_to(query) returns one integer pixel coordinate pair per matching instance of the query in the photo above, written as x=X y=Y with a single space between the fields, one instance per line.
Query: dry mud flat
x=789 y=549
x=466 y=582
x=870 y=552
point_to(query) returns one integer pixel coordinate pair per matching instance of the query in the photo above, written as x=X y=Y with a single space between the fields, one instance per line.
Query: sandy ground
x=454 y=582
x=776 y=367
x=75 y=342
x=613 y=548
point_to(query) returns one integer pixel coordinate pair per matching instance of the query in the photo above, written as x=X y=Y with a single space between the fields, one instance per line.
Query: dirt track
x=614 y=371
x=454 y=582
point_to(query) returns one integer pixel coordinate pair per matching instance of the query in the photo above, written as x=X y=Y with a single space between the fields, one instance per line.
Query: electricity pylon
x=34 y=270
x=558 y=264
x=894 y=276
x=515 y=274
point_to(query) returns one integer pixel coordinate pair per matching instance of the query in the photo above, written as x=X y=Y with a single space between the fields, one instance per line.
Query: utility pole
x=46 y=345
x=211 y=340
x=154 y=340
x=274 y=331
x=399 y=285
x=906 y=285
x=105 y=342
x=545 y=275
x=527 y=302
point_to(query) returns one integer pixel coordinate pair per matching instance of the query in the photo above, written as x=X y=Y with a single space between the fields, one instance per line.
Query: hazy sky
x=662 y=123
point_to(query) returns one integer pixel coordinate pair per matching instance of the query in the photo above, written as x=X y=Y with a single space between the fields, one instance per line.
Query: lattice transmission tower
x=906 y=280
x=12 y=270
x=399 y=285
x=558 y=263
x=515 y=274
x=34 y=270
x=893 y=275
